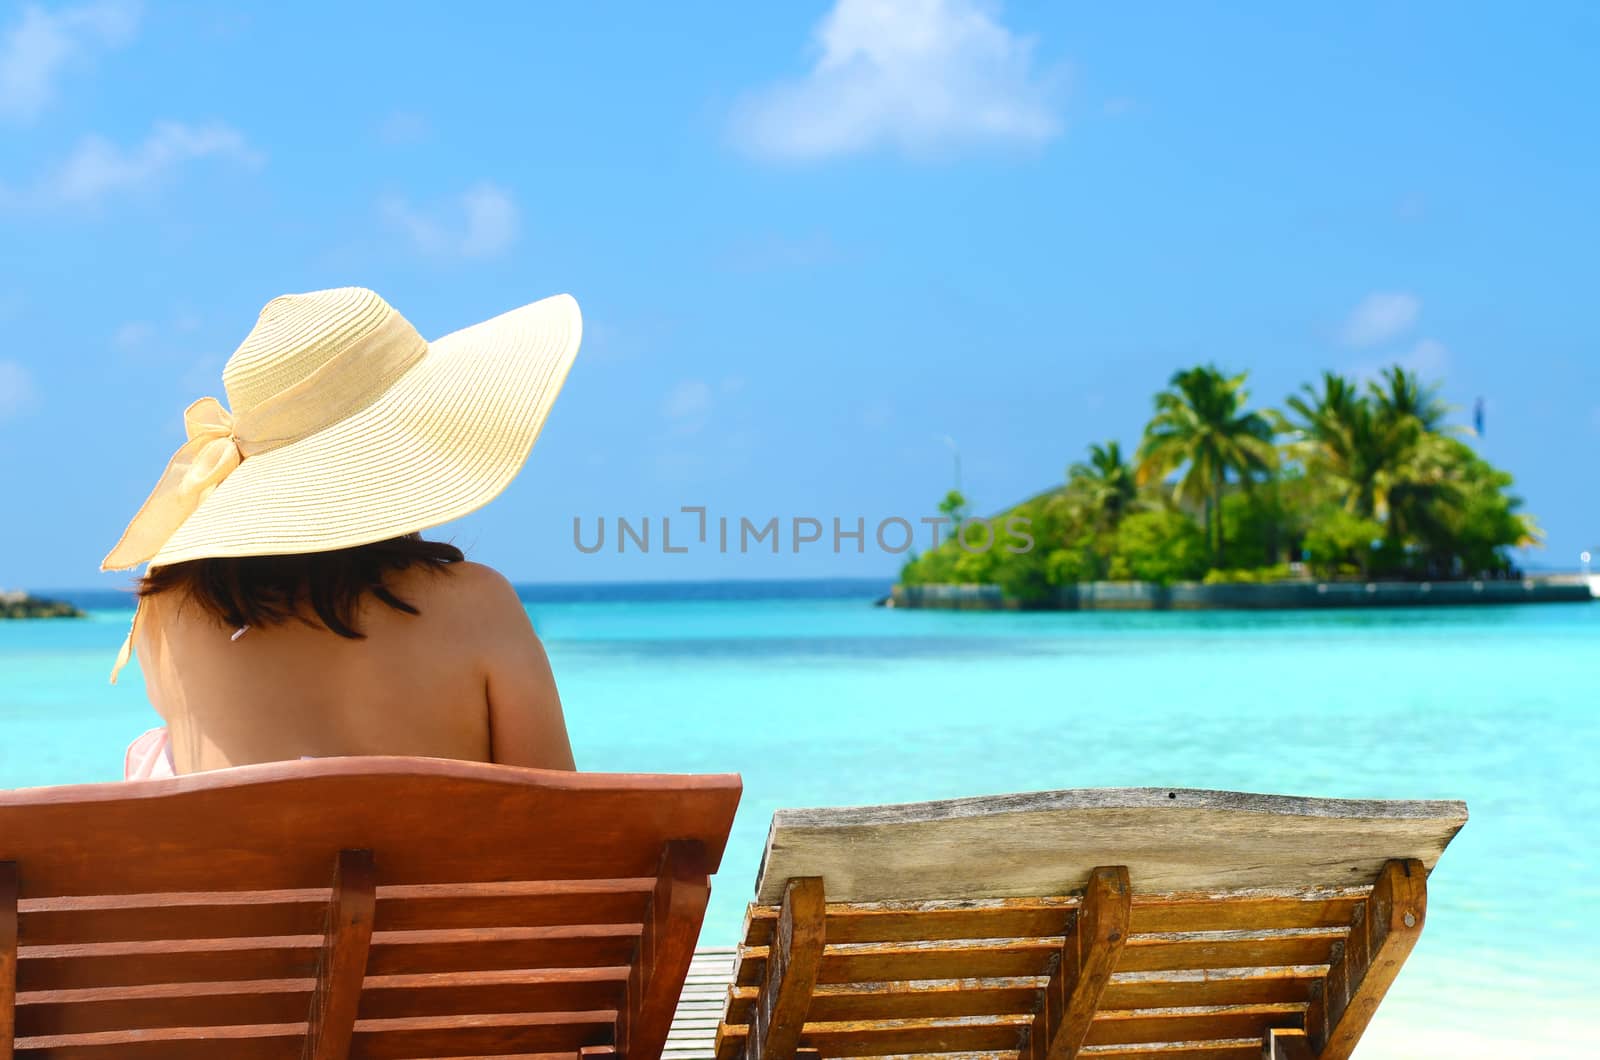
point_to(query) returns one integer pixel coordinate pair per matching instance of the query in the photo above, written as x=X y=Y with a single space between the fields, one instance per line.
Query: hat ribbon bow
x=199 y=465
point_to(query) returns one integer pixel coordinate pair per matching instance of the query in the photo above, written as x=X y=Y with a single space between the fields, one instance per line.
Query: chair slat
x=1155 y=953
x=138 y=963
x=264 y=1042
x=58 y=1013
x=155 y=917
x=908 y=1036
x=1246 y=986
x=469 y=993
x=874 y=963
x=867 y=963
x=1237 y=1049
x=1032 y=917
x=1198 y=1024
x=919 y=998
x=491 y=949
x=537 y=1032
x=241 y=914
x=68 y=1012
x=923 y=922
x=535 y=903
x=1159 y=913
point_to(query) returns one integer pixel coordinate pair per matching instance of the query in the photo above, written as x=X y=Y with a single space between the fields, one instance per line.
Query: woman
x=291 y=608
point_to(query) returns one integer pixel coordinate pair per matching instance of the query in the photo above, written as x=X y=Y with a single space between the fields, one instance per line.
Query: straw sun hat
x=345 y=427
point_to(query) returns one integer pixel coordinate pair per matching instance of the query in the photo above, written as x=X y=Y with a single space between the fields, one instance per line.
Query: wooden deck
x=694 y=1026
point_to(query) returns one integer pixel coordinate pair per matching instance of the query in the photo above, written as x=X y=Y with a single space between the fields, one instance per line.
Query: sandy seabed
x=1402 y=1032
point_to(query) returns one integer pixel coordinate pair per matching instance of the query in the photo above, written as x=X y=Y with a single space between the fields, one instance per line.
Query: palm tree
x=1421 y=495
x=1339 y=437
x=1201 y=425
x=1401 y=397
x=1380 y=450
x=1105 y=485
x=1325 y=414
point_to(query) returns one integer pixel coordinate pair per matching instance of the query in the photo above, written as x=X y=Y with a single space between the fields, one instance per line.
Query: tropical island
x=1346 y=484
x=15 y=603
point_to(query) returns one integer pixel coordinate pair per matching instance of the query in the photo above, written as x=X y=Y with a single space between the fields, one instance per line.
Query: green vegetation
x=18 y=604
x=1160 y=545
x=1202 y=430
x=1346 y=481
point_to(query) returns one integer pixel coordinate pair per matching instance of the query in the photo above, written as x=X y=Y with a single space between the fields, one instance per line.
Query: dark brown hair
x=270 y=590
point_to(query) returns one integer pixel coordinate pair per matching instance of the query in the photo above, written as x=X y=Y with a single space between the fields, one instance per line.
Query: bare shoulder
x=464 y=581
x=472 y=596
x=474 y=580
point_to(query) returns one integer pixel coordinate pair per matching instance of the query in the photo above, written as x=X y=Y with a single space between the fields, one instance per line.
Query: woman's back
x=464 y=677
x=289 y=605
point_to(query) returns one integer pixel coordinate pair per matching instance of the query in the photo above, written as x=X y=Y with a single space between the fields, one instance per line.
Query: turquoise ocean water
x=819 y=699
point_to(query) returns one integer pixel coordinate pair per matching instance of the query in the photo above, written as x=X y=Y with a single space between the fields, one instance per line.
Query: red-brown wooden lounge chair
x=1133 y=924
x=360 y=907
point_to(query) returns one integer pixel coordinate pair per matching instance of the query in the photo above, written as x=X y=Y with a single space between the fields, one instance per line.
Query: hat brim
x=443 y=441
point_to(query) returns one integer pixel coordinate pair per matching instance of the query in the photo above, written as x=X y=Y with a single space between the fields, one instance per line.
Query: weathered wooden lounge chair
x=360 y=907
x=1135 y=924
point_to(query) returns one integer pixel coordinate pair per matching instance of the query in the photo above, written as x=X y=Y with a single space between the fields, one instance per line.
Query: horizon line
x=809 y=579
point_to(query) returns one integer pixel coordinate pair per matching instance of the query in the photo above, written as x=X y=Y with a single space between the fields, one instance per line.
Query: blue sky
x=811 y=240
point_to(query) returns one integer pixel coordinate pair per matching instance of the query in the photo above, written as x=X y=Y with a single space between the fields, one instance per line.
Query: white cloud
x=774 y=251
x=1380 y=317
x=42 y=45
x=405 y=128
x=878 y=414
x=146 y=337
x=201 y=376
x=1429 y=358
x=479 y=223
x=16 y=389
x=610 y=339
x=920 y=76
x=604 y=340
x=97 y=167
x=132 y=336
x=687 y=406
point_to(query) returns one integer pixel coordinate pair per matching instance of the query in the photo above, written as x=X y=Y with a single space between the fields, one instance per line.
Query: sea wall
x=1194 y=596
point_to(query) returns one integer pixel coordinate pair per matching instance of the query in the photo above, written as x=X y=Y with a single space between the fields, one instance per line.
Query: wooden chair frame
x=1112 y=969
x=461 y=910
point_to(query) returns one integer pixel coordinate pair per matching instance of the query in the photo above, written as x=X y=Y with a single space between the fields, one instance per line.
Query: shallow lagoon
x=820 y=699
